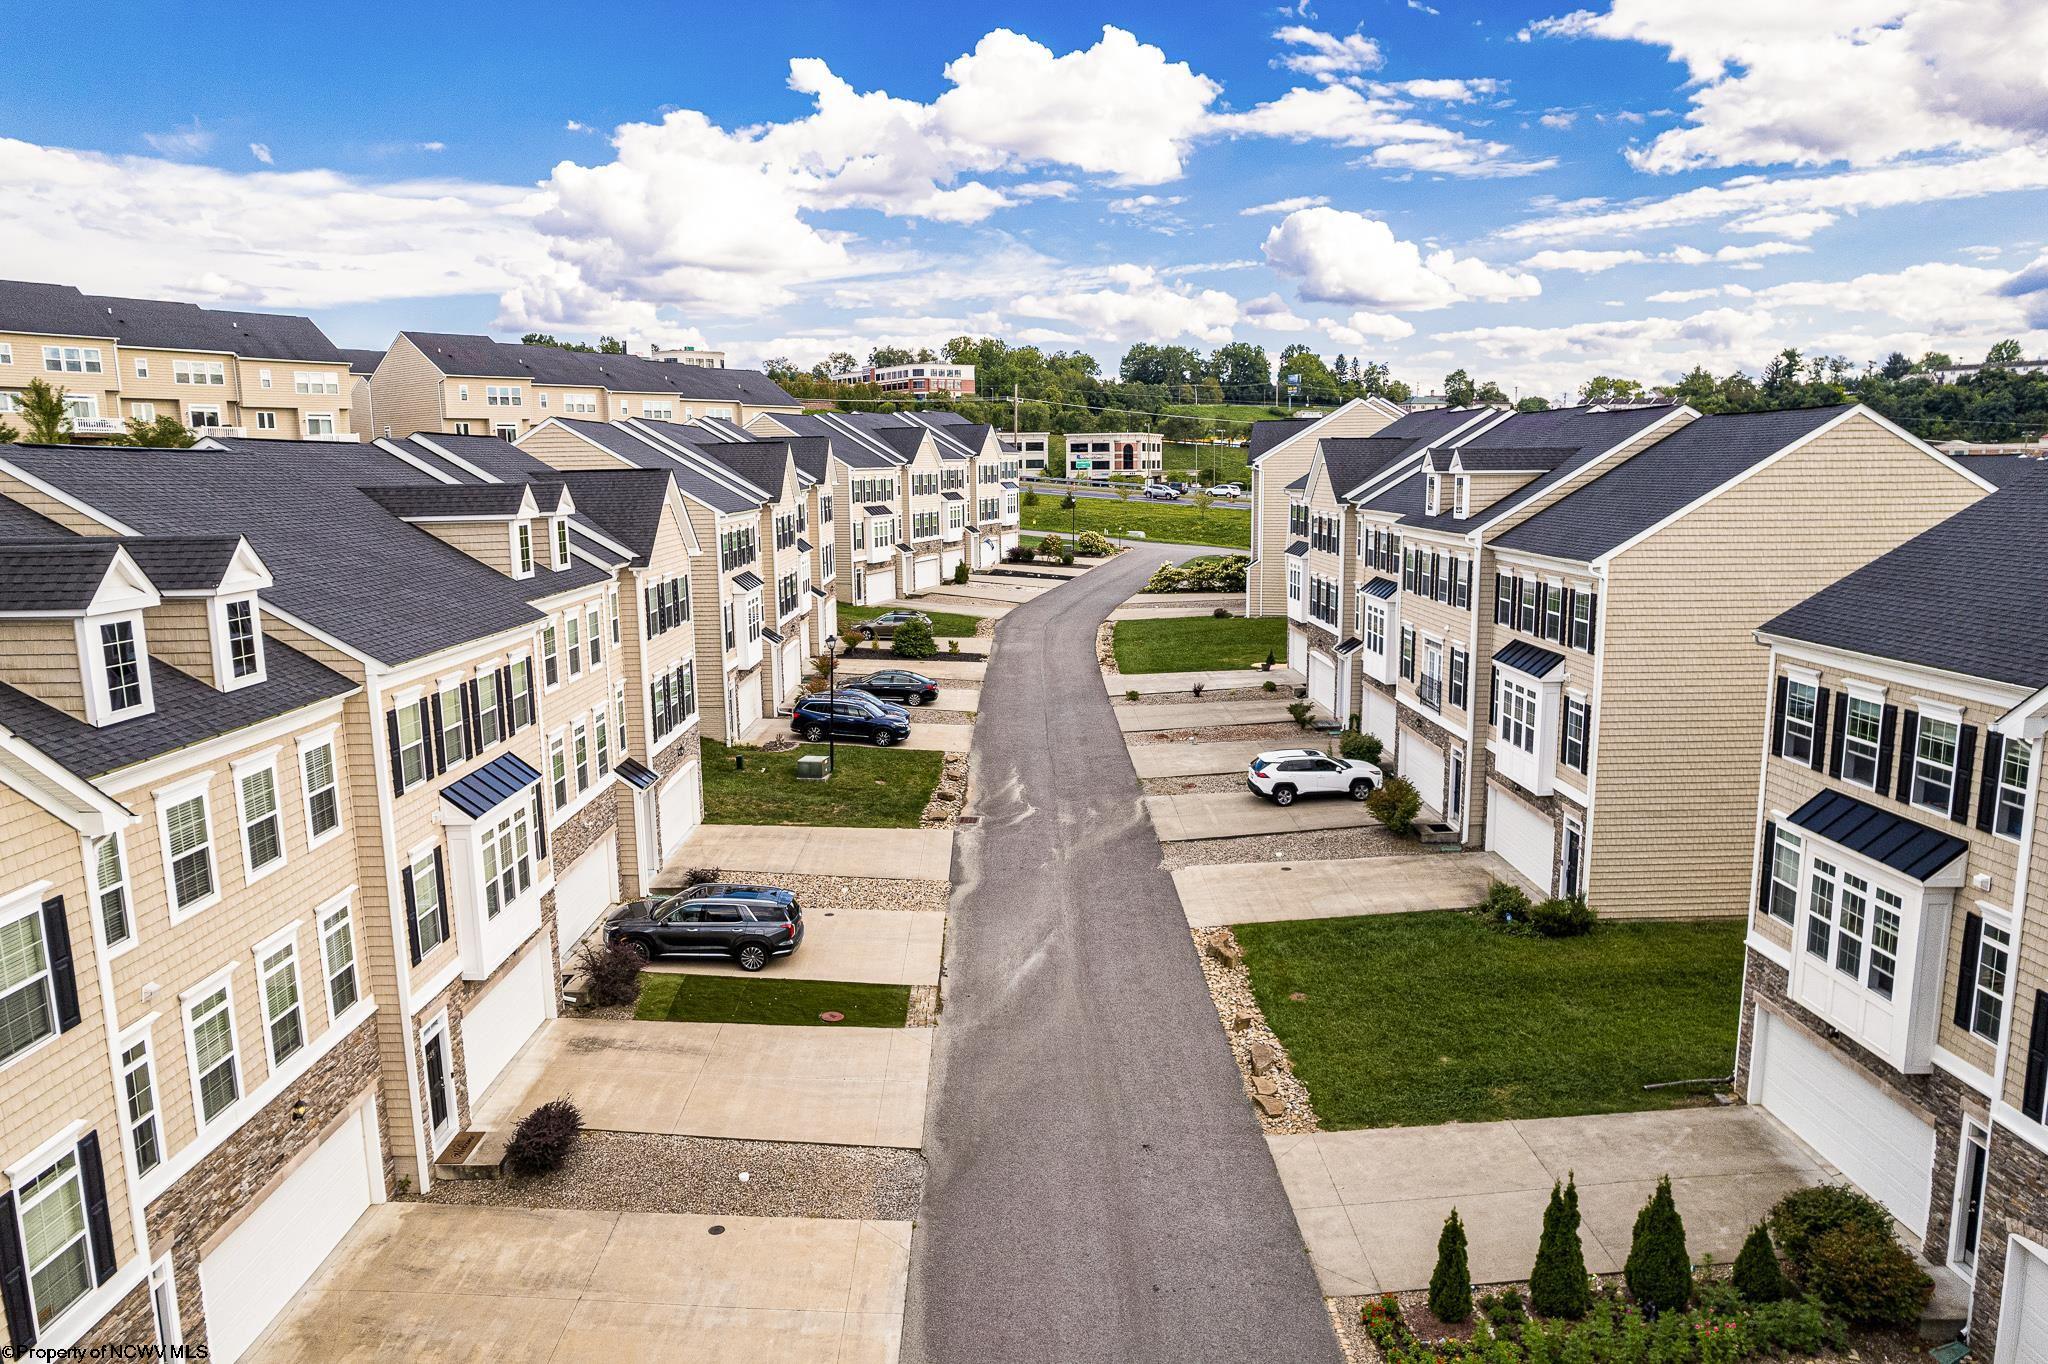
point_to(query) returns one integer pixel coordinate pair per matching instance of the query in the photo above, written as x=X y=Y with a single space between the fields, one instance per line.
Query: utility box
x=813 y=767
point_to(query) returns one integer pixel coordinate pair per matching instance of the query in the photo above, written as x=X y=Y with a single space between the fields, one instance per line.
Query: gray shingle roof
x=849 y=450
x=1678 y=470
x=450 y=499
x=183 y=563
x=1353 y=461
x=763 y=464
x=1403 y=495
x=1588 y=434
x=50 y=310
x=1967 y=596
x=60 y=309
x=53 y=576
x=363 y=362
x=626 y=504
x=19 y=523
x=481 y=357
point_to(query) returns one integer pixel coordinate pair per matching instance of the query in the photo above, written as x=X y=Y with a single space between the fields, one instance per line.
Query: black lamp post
x=831 y=685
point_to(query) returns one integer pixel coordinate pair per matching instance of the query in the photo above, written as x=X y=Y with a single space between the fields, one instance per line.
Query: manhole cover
x=833 y=1016
x=718 y=1229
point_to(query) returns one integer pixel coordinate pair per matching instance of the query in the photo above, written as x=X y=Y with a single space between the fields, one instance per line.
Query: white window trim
x=127 y=885
x=164 y=798
x=522 y=563
x=285 y=938
x=309 y=420
x=340 y=907
x=223 y=649
x=50 y=1156
x=243 y=768
x=1877 y=744
x=140 y=1034
x=1954 y=765
x=221 y=980
x=306 y=744
x=99 y=708
x=25 y=903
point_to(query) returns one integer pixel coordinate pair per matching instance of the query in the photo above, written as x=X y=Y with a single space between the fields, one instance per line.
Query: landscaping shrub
x=1659 y=1271
x=959 y=573
x=1365 y=748
x=1272 y=686
x=1758 y=1277
x=1505 y=902
x=1131 y=695
x=1563 y=917
x=1022 y=554
x=1221 y=613
x=1067 y=502
x=1794 y=1327
x=1031 y=497
x=1199 y=688
x=1051 y=547
x=1094 y=544
x=913 y=639
x=1395 y=804
x=1503 y=1310
x=699 y=876
x=1612 y=1332
x=1302 y=711
x=1558 y=1285
x=1066 y=558
x=952 y=646
x=544 y=1139
x=614 y=973
x=1450 y=1284
x=1804 y=1215
x=1866 y=1277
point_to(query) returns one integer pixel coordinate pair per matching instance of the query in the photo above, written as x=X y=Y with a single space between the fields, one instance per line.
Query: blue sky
x=1534 y=193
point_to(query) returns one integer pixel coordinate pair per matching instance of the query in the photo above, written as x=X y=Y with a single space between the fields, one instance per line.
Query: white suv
x=1285 y=773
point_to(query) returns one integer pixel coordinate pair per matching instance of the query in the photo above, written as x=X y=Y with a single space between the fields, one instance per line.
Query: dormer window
x=522 y=550
x=123 y=666
x=238 y=643
x=1463 y=494
x=116 y=669
x=1434 y=495
x=560 y=528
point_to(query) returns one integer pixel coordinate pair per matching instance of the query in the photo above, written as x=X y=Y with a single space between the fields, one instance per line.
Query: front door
x=1970 y=1172
x=1573 y=875
x=440 y=1101
x=1454 y=801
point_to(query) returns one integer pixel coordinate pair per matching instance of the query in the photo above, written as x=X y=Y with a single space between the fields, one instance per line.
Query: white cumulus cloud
x=1343 y=257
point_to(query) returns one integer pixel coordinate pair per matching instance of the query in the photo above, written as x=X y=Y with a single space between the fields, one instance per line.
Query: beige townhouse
x=189 y=1067
x=265 y=375
x=1279 y=452
x=474 y=385
x=1895 y=999
x=869 y=496
x=984 y=511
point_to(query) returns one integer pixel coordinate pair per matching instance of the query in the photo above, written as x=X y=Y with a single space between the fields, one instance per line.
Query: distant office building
x=1033 y=446
x=921 y=379
x=1100 y=454
x=690 y=355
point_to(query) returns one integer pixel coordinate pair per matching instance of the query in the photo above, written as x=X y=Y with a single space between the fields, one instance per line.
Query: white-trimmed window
x=263 y=379
x=429 y=909
x=138 y=1105
x=522 y=690
x=1887 y=915
x=1934 y=763
x=1855 y=925
x=142 y=368
x=1987 y=988
x=1781 y=900
x=28 y=1000
x=188 y=852
x=1820 y=909
x=1462 y=504
x=7 y=353
x=284 y=1017
x=593 y=635
x=266 y=421
x=72 y=359
x=1861 y=729
x=262 y=826
x=507 y=851
x=54 y=1238
x=550 y=657
x=1434 y=498
x=502 y=395
x=244 y=640
x=462 y=396
x=200 y=416
x=573 y=643
x=338 y=959
x=1801 y=699
x=580 y=737
x=2015 y=763
x=1374 y=617
x=558 y=770
x=580 y=404
x=612 y=602
x=122 y=678
x=141 y=411
x=210 y=1036
x=318 y=423
x=200 y=373
x=559 y=531
x=454 y=733
x=412 y=745
x=1518 y=709
x=323 y=382
x=487 y=708
x=601 y=730
x=110 y=887
x=322 y=790
x=523 y=553
x=1573 y=750
x=1553 y=613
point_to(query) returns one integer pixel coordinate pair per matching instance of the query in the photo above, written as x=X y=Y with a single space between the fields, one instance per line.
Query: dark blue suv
x=849 y=717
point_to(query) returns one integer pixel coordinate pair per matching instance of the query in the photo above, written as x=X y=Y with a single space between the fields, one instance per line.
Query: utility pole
x=1016 y=411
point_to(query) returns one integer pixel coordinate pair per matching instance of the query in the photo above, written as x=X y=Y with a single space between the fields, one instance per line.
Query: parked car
x=1286 y=773
x=1227 y=490
x=751 y=932
x=884 y=625
x=849 y=716
x=732 y=890
x=1160 y=492
x=864 y=698
x=897 y=684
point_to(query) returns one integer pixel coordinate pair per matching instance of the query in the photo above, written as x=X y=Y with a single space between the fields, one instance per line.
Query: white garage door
x=950 y=560
x=1525 y=837
x=1422 y=763
x=882 y=583
x=586 y=891
x=747 y=700
x=1297 y=652
x=1884 y=1147
x=792 y=671
x=497 y=1025
x=2023 y=1325
x=927 y=571
x=1378 y=714
x=252 y=1274
x=1322 y=680
x=680 y=807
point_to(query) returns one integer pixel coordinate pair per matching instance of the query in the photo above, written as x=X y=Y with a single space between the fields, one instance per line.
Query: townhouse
x=1895 y=996
x=979 y=481
x=1278 y=453
x=1340 y=591
x=474 y=385
x=267 y=375
x=400 y=701
x=817 y=538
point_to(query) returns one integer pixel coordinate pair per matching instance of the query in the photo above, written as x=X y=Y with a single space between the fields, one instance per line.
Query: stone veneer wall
x=233 y=1177
x=131 y=1323
x=1937 y=1094
x=2015 y=1203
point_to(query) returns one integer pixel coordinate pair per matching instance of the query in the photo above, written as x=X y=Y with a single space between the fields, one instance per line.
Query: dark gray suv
x=752 y=932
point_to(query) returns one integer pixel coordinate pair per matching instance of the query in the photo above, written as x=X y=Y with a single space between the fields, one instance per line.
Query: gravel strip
x=985 y=628
x=658 y=1172
x=1188 y=697
x=1231 y=988
x=942 y=811
x=1208 y=784
x=1105 y=646
x=1318 y=845
x=934 y=716
x=1351 y=1337
x=1285 y=734
x=924 y=1007
x=817 y=893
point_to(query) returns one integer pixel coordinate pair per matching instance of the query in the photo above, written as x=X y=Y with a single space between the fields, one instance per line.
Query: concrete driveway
x=938 y=738
x=941 y=669
x=810 y=850
x=1002 y=592
x=1261 y=892
x=1197 y=760
x=1197 y=714
x=1371 y=1203
x=1230 y=814
x=1156 y=684
x=946 y=601
x=414 y=1281
x=880 y=946
x=840 y=1086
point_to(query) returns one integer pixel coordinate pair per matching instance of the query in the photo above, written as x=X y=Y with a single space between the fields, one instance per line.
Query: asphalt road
x=1098 y=1187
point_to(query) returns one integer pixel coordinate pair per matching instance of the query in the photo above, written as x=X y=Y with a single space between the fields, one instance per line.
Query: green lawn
x=1213 y=463
x=944 y=623
x=876 y=788
x=1223 y=527
x=1198 y=643
x=1413 y=1019
x=1234 y=416
x=666 y=998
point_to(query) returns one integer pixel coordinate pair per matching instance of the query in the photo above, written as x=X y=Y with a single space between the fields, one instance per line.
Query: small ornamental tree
x=1558 y=1286
x=1450 y=1285
x=45 y=417
x=164 y=432
x=913 y=639
x=1659 y=1270
x=1758 y=1277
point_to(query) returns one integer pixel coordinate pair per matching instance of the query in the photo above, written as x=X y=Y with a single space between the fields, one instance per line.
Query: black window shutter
x=412 y=926
x=1492 y=694
x=1585 y=736
x=1763 y=863
x=1564 y=621
x=1987 y=788
x=1820 y=726
x=57 y=945
x=430 y=725
x=1515 y=611
x=532 y=710
x=1966 y=763
x=505 y=700
x=1564 y=729
x=2036 y=1087
x=99 y=1226
x=476 y=715
x=1500 y=583
x=441 y=893
x=540 y=827
x=397 y=767
x=21 y=1317
x=1966 y=970
x=1592 y=621
x=1908 y=743
x=1887 y=731
x=1835 y=738
x=1778 y=717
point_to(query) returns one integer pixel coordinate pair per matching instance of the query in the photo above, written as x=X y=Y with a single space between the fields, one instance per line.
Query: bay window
x=1518 y=711
x=507 y=860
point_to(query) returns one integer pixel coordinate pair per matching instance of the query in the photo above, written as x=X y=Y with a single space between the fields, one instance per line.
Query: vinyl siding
x=1266 y=584
x=2031 y=971
x=406 y=390
x=40 y=657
